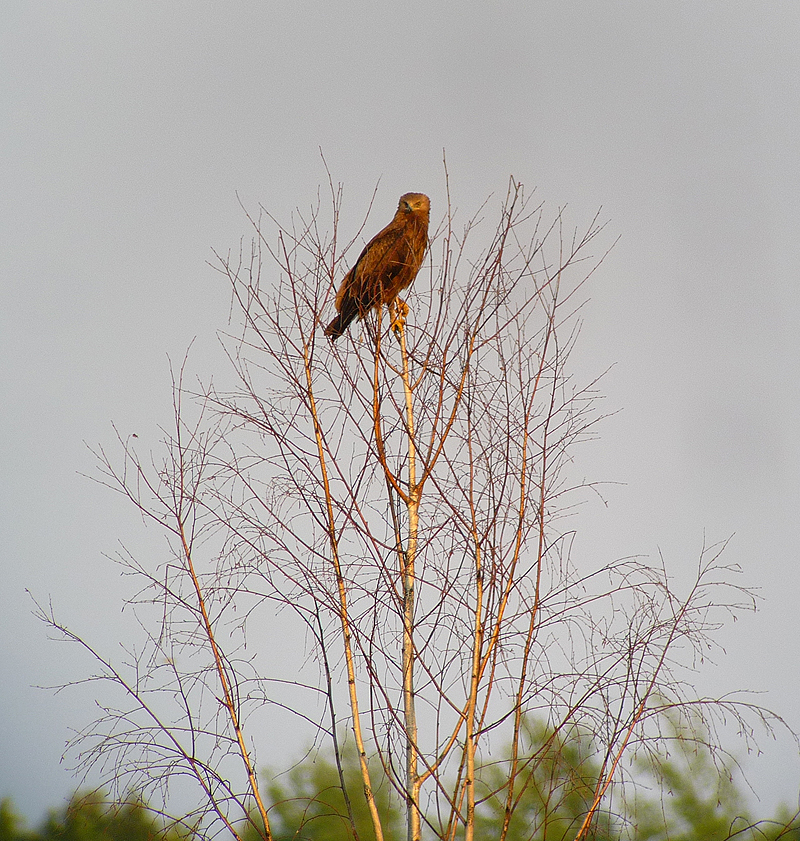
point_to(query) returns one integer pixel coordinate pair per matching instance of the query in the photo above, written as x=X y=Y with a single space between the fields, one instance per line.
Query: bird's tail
x=342 y=321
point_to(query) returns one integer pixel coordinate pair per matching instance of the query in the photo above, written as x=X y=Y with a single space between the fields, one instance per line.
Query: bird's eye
x=406 y=206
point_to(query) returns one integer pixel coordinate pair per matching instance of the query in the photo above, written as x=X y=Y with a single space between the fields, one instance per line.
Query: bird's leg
x=398 y=310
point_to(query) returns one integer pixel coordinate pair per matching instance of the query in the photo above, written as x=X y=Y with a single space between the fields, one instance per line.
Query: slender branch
x=343 y=610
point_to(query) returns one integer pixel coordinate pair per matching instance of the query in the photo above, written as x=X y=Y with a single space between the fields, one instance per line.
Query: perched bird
x=387 y=265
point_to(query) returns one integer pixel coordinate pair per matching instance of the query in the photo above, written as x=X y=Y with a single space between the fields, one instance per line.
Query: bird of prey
x=387 y=265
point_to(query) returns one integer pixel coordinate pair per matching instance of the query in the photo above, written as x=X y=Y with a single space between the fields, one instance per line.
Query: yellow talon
x=398 y=310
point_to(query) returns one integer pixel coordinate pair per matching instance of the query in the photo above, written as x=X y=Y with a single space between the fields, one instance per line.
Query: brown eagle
x=387 y=265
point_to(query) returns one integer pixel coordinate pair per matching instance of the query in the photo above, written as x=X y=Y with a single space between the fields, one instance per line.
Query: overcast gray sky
x=128 y=129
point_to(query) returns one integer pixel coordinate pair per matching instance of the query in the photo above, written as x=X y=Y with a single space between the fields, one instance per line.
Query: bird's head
x=417 y=203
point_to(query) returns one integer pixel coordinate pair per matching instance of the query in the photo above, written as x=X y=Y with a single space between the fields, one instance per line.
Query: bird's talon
x=398 y=311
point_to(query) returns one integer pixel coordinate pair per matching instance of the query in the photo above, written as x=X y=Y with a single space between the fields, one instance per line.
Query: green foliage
x=554 y=790
x=552 y=793
x=684 y=796
x=89 y=818
x=696 y=799
x=11 y=824
x=692 y=798
x=308 y=803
